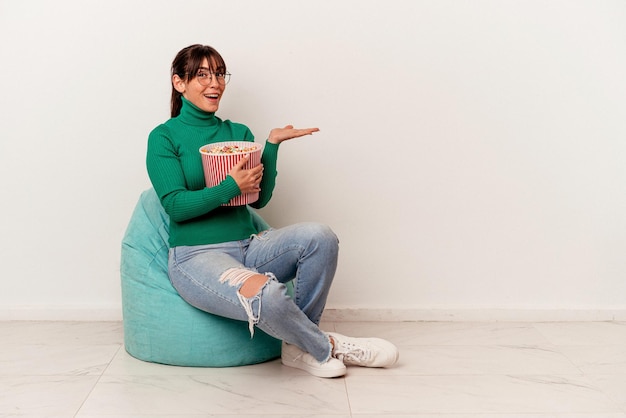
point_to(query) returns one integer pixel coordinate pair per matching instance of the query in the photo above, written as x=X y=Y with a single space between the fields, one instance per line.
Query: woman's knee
x=252 y=284
x=322 y=234
x=255 y=290
x=249 y=282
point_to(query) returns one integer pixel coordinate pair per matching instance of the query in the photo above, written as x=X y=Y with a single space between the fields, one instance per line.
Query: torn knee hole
x=250 y=281
x=253 y=285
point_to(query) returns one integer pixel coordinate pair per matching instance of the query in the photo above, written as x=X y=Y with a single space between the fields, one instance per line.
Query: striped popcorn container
x=219 y=158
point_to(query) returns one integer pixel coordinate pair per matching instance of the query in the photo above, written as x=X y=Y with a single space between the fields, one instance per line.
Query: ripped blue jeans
x=209 y=277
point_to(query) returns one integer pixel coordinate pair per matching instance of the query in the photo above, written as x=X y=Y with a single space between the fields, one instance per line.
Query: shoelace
x=352 y=353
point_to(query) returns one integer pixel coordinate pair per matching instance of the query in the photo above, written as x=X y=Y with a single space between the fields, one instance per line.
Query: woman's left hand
x=279 y=135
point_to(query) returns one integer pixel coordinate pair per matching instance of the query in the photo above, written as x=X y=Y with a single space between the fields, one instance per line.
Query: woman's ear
x=178 y=83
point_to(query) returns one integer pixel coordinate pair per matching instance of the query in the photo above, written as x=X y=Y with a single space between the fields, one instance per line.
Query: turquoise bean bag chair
x=159 y=326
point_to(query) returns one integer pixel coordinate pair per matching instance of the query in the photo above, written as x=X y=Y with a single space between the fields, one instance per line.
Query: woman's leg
x=306 y=252
x=213 y=279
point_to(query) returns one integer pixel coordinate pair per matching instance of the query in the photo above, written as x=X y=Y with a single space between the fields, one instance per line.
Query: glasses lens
x=205 y=78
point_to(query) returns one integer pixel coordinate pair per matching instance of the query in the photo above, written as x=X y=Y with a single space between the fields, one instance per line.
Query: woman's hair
x=186 y=65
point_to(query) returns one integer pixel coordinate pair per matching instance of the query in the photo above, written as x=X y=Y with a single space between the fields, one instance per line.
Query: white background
x=471 y=153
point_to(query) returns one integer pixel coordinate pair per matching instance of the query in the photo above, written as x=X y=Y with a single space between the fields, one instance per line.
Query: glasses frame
x=222 y=78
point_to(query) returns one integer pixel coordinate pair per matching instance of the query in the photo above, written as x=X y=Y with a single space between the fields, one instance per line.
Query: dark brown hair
x=186 y=65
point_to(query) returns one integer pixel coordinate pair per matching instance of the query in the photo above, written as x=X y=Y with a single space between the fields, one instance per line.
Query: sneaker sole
x=318 y=372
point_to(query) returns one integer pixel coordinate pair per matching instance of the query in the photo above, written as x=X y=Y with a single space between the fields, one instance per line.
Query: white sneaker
x=293 y=356
x=367 y=352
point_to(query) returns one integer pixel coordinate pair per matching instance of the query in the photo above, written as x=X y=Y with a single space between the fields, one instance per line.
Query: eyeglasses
x=205 y=77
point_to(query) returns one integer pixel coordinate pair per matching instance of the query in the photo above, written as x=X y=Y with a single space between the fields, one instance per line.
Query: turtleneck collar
x=193 y=115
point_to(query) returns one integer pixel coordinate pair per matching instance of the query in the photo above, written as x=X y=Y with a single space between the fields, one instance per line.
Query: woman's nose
x=214 y=81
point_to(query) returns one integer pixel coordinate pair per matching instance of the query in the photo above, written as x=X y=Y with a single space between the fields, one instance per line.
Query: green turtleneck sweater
x=175 y=170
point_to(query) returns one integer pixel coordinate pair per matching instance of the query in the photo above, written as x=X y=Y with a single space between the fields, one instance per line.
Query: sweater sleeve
x=268 y=182
x=167 y=177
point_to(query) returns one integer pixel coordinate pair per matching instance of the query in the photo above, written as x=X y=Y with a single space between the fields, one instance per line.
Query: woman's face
x=206 y=97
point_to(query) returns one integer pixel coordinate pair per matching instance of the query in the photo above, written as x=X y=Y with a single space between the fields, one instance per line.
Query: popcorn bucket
x=220 y=157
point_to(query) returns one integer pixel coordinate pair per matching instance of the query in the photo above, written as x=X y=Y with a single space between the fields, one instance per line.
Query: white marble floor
x=446 y=370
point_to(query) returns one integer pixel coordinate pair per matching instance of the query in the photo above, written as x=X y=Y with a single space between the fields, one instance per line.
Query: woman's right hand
x=248 y=180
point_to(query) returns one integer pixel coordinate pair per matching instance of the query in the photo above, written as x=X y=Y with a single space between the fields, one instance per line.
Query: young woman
x=218 y=261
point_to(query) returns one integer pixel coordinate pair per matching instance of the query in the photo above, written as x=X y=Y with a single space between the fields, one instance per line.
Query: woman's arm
x=268 y=181
x=168 y=180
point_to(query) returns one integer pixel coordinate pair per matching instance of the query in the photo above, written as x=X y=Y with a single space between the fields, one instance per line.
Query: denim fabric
x=306 y=252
